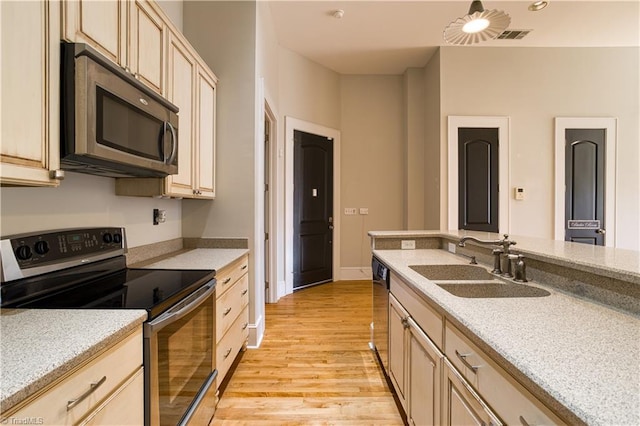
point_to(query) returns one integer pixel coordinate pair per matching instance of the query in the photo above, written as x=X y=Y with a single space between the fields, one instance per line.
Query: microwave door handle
x=174 y=144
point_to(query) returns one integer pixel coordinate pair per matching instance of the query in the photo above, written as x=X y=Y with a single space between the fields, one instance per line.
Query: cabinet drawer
x=510 y=400
x=229 y=306
x=125 y=407
x=111 y=370
x=228 y=275
x=427 y=318
x=231 y=343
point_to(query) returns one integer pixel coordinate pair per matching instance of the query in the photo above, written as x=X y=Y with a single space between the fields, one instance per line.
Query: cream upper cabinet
x=205 y=178
x=29 y=93
x=147 y=47
x=100 y=24
x=191 y=86
x=181 y=91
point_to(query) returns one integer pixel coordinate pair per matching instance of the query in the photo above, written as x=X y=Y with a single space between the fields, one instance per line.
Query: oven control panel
x=58 y=249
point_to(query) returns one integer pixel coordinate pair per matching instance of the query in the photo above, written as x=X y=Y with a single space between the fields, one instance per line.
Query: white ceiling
x=386 y=37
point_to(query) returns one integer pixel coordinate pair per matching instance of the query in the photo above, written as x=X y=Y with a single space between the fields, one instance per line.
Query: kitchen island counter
x=581 y=358
x=39 y=346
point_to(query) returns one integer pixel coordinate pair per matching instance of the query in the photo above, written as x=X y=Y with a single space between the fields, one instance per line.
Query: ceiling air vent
x=513 y=34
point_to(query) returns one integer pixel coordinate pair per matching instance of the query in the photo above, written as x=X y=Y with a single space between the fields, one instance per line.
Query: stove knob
x=23 y=253
x=107 y=238
x=42 y=247
x=117 y=238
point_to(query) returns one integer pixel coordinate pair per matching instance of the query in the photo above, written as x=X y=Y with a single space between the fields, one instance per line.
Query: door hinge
x=266 y=235
x=266 y=187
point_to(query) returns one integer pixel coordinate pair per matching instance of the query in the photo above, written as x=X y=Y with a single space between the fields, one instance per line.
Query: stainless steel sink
x=452 y=272
x=495 y=289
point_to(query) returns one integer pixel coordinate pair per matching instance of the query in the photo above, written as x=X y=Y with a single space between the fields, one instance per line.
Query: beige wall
x=372 y=152
x=534 y=85
x=414 y=148
x=173 y=9
x=308 y=91
x=85 y=201
x=223 y=33
x=432 y=151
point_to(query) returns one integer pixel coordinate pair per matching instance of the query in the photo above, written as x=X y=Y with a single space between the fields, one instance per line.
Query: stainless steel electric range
x=86 y=269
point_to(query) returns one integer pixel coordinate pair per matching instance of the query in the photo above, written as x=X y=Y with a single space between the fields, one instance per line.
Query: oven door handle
x=185 y=307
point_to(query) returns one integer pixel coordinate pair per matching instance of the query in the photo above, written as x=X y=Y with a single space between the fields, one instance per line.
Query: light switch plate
x=364 y=210
x=349 y=210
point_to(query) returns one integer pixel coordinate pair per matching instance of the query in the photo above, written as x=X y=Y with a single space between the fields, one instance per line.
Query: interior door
x=585 y=183
x=478 y=179
x=313 y=209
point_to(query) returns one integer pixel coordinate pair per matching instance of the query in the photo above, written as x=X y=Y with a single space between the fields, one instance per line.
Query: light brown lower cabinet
x=107 y=390
x=415 y=365
x=462 y=405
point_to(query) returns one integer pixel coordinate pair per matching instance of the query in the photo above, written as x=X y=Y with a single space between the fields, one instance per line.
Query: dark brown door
x=313 y=209
x=478 y=179
x=584 y=195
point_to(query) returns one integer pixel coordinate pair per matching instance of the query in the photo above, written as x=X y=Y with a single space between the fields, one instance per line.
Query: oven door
x=179 y=372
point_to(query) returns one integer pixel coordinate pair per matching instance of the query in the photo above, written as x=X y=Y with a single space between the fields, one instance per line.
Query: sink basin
x=452 y=272
x=492 y=290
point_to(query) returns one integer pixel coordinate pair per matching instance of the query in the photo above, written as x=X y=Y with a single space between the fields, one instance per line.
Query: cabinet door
x=180 y=91
x=29 y=92
x=125 y=407
x=206 y=134
x=424 y=376
x=100 y=24
x=148 y=33
x=462 y=405
x=398 y=318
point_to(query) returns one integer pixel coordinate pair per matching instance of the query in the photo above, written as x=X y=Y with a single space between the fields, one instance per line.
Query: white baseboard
x=355 y=273
x=256 y=333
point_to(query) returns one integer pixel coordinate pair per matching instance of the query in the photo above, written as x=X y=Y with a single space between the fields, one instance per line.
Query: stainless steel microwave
x=111 y=124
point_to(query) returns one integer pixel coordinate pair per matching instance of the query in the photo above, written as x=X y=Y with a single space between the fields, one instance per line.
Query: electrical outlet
x=452 y=247
x=408 y=244
x=349 y=210
x=364 y=210
x=159 y=216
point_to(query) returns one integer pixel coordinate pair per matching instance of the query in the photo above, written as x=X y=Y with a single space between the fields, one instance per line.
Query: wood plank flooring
x=314 y=365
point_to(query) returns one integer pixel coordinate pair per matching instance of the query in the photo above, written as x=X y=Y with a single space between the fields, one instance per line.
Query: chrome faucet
x=501 y=262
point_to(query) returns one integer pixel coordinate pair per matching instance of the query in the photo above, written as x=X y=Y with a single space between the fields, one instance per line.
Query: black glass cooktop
x=105 y=285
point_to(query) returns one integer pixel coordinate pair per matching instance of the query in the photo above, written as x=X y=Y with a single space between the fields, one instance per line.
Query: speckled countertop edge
x=586 y=362
x=612 y=262
x=40 y=346
x=201 y=258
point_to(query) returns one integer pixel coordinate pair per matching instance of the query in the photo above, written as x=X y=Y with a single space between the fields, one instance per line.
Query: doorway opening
x=585 y=180
x=291 y=126
x=500 y=193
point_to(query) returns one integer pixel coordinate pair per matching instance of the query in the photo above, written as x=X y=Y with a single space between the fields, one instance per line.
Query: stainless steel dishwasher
x=380 y=313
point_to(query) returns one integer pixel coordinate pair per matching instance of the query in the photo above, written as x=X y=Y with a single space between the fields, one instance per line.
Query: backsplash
x=84 y=200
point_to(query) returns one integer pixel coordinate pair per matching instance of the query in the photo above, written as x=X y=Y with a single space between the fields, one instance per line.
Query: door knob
x=601 y=231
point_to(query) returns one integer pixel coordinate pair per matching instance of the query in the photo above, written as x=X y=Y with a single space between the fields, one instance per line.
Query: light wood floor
x=314 y=365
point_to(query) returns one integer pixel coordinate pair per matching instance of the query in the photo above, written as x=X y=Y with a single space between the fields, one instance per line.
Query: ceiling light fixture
x=538 y=5
x=476 y=26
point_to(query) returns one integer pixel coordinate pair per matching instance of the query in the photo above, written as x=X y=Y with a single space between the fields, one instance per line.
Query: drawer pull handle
x=92 y=388
x=524 y=422
x=243 y=267
x=227 y=353
x=245 y=291
x=226 y=281
x=463 y=358
x=246 y=324
x=226 y=312
x=405 y=322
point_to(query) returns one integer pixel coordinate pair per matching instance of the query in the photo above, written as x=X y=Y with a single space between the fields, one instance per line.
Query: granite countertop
x=201 y=258
x=613 y=262
x=584 y=355
x=40 y=346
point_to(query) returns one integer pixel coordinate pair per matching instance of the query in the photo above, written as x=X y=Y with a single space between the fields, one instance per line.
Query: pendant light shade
x=476 y=26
